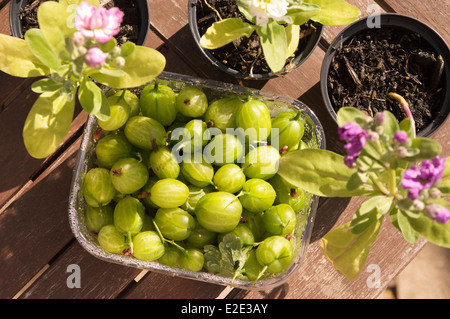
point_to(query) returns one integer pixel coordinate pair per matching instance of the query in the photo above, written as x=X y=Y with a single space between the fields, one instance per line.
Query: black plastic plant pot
x=404 y=23
x=300 y=57
x=141 y=10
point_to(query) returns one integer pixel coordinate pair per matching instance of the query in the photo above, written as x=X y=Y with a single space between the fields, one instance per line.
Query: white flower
x=263 y=10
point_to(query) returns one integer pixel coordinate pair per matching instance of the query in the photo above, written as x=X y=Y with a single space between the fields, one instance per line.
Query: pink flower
x=417 y=179
x=95 y=57
x=438 y=213
x=356 y=139
x=98 y=22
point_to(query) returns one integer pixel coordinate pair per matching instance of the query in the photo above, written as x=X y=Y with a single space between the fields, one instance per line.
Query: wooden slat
x=98 y=279
x=433 y=13
x=161 y=286
x=18 y=166
x=34 y=228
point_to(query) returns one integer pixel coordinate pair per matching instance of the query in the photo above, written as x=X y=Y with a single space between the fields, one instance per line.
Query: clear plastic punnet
x=314 y=137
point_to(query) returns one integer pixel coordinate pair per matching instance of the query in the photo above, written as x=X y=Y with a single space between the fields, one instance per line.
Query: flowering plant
x=73 y=50
x=403 y=175
x=277 y=23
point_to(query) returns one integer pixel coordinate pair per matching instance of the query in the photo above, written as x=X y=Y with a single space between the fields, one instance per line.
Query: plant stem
x=406 y=109
x=164 y=240
x=379 y=184
x=392 y=182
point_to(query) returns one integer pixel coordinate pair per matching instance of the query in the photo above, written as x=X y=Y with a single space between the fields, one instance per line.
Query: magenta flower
x=438 y=213
x=417 y=179
x=98 y=22
x=400 y=137
x=355 y=136
x=95 y=57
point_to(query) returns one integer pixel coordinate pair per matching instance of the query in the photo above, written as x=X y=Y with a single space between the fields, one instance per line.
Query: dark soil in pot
x=129 y=29
x=375 y=62
x=245 y=54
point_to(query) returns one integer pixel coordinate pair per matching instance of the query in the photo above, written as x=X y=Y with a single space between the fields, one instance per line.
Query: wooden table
x=36 y=242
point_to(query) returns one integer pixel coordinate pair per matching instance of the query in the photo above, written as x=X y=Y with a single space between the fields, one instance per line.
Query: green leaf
x=243 y=8
x=212 y=259
x=410 y=235
x=93 y=100
x=16 y=59
x=41 y=49
x=108 y=46
x=140 y=68
x=428 y=149
x=434 y=232
x=274 y=45
x=56 y=23
x=320 y=172
x=302 y=13
x=347 y=251
x=45 y=85
x=446 y=173
x=357 y=180
x=349 y=114
x=47 y=123
x=369 y=212
x=335 y=12
x=111 y=72
x=292 y=39
x=223 y=32
x=390 y=125
x=405 y=125
x=127 y=48
x=227 y=260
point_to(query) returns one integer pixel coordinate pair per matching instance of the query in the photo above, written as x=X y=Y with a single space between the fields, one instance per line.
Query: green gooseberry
x=257 y=195
x=163 y=163
x=132 y=100
x=224 y=149
x=174 y=223
x=144 y=192
x=280 y=219
x=129 y=216
x=200 y=237
x=147 y=246
x=145 y=133
x=195 y=193
x=98 y=189
x=119 y=114
x=229 y=178
x=192 y=259
x=295 y=197
x=128 y=175
x=254 y=221
x=111 y=148
x=171 y=257
x=218 y=211
x=261 y=162
x=254 y=118
x=169 y=193
x=191 y=102
x=198 y=173
x=97 y=217
x=159 y=102
x=222 y=113
x=243 y=232
x=111 y=240
x=275 y=253
x=287 y=129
